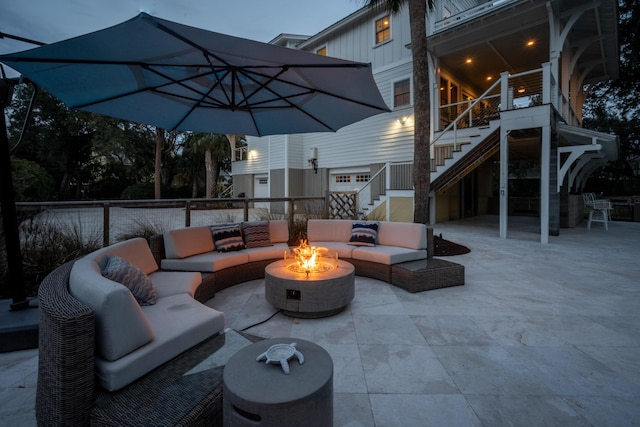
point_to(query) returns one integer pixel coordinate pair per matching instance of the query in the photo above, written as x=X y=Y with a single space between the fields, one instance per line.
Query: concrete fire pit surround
x=318 y=294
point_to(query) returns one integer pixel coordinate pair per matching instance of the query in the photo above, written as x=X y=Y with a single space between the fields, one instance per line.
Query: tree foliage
x=56 y=138
x=613 y=107
x=31 y=183
x=93 y=156
x=216 y=153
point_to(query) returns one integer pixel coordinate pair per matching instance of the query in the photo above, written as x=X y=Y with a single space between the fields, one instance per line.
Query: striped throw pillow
x=364 y=234
x=256 y=234
x=227 y=238
x=121 y=271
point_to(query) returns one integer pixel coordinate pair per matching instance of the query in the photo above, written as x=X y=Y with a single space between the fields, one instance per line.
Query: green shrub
x=142 y=227
x=146 y=190
x=30 y=181
x=46 y=245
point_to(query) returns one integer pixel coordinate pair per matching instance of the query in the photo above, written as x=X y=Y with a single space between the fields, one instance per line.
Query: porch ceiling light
x=531 y=43
x=468 y=61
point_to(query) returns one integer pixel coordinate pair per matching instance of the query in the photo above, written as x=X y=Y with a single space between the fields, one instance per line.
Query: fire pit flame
x=310 y=259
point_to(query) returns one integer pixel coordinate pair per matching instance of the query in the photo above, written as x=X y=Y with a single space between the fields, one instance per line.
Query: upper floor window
x=322 y=51
x=383 y=29
x=401 y=93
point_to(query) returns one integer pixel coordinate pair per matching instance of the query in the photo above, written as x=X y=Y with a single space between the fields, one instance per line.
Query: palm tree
x=421 y=112
x=216 y=149
x=157 y=170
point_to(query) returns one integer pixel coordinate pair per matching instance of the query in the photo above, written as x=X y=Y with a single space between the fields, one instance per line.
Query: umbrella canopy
x=178 y=77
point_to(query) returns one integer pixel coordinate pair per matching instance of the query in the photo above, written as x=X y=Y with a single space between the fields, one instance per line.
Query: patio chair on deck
x=600 y=212
x=588 y=199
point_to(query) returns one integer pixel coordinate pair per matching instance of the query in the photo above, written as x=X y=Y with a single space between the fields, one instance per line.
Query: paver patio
x=539 y=335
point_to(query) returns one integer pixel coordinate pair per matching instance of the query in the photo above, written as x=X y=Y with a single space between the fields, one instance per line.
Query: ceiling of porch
x=515 y=38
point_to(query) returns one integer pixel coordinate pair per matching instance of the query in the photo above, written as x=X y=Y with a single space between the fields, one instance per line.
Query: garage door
x=261 y=189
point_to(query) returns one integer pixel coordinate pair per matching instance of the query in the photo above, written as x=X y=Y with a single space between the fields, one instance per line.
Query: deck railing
x=521 y=90
x=109 y=220
x=469 y=14
x=390 y=176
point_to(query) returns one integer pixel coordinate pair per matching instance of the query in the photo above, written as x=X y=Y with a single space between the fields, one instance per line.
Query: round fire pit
x=309 y=295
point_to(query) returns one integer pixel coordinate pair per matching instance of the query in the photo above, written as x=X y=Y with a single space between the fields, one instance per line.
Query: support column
x=504 y=182
x=554 y=194
x=545 y=163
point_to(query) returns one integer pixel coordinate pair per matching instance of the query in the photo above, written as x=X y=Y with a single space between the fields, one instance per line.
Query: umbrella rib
x=324 y=92
x=208 y=52
x=206 y=95
x=156 y=88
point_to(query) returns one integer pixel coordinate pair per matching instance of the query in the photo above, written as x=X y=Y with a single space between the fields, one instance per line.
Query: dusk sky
x=49 y=21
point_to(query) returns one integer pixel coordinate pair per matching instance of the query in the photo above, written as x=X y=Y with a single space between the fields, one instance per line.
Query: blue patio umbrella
x=177 y=77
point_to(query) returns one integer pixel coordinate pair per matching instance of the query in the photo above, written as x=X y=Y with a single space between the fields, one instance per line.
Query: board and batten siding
x=356 y=41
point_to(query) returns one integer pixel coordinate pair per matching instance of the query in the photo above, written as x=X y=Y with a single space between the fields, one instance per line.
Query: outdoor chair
x=588 y=199
x=600 y=212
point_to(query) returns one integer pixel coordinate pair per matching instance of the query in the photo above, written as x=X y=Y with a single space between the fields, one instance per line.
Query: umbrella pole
x=9 y=216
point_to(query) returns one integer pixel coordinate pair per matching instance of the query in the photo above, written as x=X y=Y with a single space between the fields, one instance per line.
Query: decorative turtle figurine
x=281 y=353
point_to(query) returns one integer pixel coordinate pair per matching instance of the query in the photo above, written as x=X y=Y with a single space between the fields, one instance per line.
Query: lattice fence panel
x=343 y=205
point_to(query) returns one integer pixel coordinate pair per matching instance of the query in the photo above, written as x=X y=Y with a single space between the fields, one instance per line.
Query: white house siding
x=298 y=153
x=275 y=151
x=257 y=162
x=355 y=40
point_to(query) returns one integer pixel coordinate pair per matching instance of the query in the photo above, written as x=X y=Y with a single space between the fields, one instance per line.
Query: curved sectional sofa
x=185 y=267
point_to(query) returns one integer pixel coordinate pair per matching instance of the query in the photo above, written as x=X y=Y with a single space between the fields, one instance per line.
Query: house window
x=383 y=29
x=263 y=181
x=401 y=93
x=343 y=178
x=322 y=51
x=363 y=178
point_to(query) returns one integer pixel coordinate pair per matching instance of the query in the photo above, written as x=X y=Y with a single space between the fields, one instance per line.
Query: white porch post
x=504 y=182
x=387 y=186
x=545 y=178
x=268 y=171
x=546 y=83
x=504 y=92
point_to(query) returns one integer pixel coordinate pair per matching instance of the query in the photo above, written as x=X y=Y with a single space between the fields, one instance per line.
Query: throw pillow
x=364 y=234
x=256 y=234
x=121 y=271
x=227 y=238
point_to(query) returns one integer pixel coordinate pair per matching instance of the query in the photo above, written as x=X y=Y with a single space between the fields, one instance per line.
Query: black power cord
x=264 y=321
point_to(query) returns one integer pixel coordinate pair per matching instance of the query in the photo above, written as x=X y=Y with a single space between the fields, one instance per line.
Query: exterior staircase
x=456 y=154
x=472 y=149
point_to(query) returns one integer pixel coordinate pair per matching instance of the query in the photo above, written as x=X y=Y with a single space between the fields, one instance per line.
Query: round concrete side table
x=260 y=394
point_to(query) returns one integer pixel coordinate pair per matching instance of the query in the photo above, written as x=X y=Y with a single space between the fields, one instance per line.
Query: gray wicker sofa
x=67 y=392
x=71 y=387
